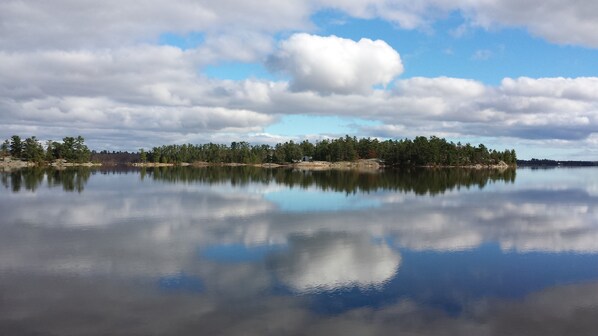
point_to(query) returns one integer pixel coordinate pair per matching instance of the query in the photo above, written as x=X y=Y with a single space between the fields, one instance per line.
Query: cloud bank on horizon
x=127 y=75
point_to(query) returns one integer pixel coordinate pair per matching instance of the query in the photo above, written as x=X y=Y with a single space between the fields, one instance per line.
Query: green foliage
x=420 y=151
x=71 y=149
x=5 y=148
x=53 y=150
x=142 y=155
x=434 y=151
x=33 y=150
x=16 y=147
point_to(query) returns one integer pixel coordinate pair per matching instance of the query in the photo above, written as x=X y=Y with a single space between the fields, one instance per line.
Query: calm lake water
x=240 y=251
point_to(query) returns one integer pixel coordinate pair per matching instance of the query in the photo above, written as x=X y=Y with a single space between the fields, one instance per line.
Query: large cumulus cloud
x=336 y=65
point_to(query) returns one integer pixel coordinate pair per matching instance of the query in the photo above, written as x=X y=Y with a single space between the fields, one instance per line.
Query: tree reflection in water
x=71 y=179
x=419 y=181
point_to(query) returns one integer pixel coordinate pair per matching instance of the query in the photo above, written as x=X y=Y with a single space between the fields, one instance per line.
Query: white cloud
x=566 y=22
x=546 y=108
x=443 y=87
x=102 y=113
x=582 y=88
x=482 y=55
x=233 y=46
x=144 y=88
x=65 y=24
x=336 y=65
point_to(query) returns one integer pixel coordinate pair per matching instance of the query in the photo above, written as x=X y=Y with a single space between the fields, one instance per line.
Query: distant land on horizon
x=556 y=163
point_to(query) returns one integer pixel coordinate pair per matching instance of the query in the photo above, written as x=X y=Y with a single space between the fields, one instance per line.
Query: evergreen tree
x=5 y=148
x=16 y=147
x=33 y=150
x=142 y=155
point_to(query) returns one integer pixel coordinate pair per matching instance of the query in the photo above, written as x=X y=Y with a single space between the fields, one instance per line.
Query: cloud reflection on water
x=113 y=243
x=328 y=261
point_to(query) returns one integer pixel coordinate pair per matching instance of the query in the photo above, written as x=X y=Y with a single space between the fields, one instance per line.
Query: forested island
x=419 y=152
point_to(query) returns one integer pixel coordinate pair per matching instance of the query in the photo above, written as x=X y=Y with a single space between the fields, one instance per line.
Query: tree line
x=421 y=151
x=72 y=149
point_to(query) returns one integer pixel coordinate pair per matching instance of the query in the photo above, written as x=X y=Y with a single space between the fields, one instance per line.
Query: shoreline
x=500 y=165
x=18 y=164
x=363 y=164
x=313 y=165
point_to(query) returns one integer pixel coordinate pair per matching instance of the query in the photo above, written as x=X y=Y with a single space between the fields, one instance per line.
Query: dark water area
x=252 y=251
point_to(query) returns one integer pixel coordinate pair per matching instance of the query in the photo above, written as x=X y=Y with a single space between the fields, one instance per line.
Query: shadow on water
x=419 y=181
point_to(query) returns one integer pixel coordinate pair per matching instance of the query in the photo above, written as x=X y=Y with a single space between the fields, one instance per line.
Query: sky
x=132 y=74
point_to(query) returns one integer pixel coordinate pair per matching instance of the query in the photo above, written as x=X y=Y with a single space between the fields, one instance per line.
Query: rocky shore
x=64 y=164
x=8 y=163
x=152 y=164
x=364 y=164
x=499 y=165
x=312 y=165
x=359 y=165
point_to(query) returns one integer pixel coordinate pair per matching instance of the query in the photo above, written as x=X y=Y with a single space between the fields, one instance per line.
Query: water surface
x=248 y=251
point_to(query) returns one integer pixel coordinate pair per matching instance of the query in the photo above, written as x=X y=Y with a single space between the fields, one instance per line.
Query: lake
x=251 y=251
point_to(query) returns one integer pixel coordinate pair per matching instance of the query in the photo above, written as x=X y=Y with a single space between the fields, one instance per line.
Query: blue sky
x=471 y=71
x=487 y=56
